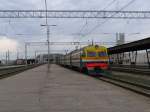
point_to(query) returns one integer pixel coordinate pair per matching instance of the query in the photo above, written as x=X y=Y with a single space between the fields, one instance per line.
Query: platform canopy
x=132 y=46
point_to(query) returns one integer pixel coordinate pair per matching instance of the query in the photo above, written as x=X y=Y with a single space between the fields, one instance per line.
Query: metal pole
x=17 y=54
x=35 y=57
x=135 y=57
x=48 y=35
x=35 y=54
x=48 y=48
x=148 y=60
x=26 y=53
x=8 y=57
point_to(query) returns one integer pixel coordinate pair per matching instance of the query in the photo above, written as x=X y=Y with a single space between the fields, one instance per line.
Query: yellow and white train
x=92 y=59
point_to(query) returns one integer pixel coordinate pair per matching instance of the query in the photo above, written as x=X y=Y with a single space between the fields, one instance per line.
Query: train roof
x=95 y=47
x=88 y=47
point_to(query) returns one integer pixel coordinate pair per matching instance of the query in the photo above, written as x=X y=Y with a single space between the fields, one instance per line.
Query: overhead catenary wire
x=108 y=5
x=86 y=23
x=100 y=24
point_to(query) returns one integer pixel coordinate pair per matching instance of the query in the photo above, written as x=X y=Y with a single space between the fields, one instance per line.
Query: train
x=91 y=59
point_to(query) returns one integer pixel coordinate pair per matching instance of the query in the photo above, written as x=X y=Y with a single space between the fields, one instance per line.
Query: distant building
x=120 y=38
x=23 y=61
x=43 y=58
x=20 y=61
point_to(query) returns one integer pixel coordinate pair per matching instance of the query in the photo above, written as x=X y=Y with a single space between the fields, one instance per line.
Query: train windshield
x=102 y=54
x=91 y=54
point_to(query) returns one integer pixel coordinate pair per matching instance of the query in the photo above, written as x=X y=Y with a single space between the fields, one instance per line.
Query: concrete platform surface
x=63 y=90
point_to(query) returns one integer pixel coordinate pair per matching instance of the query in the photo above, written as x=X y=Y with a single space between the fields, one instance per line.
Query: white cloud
x=8 y=44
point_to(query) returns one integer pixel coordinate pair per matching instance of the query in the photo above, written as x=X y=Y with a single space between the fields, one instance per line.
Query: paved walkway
x=63 y=90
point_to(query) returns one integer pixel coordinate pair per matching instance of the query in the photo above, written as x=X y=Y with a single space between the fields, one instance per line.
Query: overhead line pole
x=26 y=54
x=47 y=36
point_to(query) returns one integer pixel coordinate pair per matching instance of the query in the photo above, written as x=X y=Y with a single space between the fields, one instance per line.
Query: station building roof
x=132 y=46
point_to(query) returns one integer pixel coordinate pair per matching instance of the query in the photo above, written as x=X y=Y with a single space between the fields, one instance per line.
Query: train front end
x=94 y=59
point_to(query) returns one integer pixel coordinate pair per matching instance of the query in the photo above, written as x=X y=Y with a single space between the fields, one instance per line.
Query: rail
x=141 y=70
x=137 y=84
x=12 y=70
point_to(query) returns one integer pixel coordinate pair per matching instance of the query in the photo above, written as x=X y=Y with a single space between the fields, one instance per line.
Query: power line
x=109 y=4
x=102 y=9
x=113 y=1
x=68 y=43
x=83 y=27
x=97 y=26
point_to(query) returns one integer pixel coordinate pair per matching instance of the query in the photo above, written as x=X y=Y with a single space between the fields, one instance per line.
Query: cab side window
x=102 y=54
x=83 y=54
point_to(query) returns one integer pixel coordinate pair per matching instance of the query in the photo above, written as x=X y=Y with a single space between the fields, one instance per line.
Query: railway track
x=131 y=81
x=139 y=70
x=13 y=70
x=138 y=85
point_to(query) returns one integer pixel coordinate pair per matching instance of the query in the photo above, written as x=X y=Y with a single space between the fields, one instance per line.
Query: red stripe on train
x=99 y=65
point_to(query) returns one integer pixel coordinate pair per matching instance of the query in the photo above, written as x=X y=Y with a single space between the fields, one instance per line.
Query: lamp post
x=48 y=32
x=48 y=38
x=26 y=60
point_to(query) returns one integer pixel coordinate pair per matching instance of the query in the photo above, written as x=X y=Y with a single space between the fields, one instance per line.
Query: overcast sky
x=67 y=29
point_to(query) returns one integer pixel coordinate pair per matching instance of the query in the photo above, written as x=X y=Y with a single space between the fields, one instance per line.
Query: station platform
x=64 y=90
